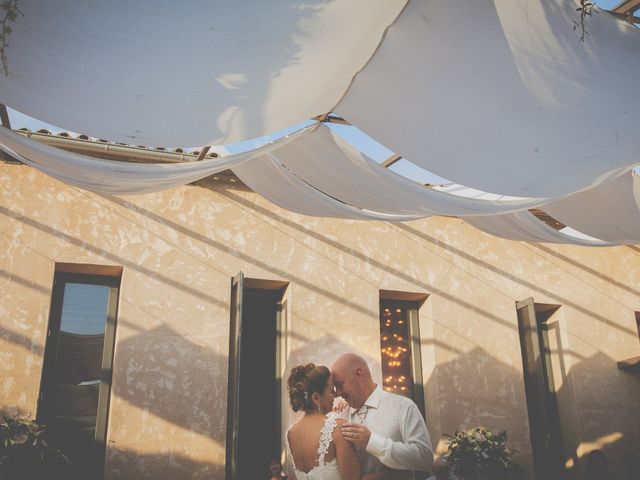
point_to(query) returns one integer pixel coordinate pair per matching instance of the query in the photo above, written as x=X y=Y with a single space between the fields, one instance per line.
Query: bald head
x=352 y=379
x=351 y=362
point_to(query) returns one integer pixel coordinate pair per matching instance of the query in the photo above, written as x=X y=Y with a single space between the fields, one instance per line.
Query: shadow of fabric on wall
x=476 y=389
x=159 y=465
x=324 y=351
x=166 y=376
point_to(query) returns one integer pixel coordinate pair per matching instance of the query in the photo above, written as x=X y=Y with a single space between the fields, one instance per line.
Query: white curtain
x=501 y=96
x=160 y=72
x=610 y=211
x=121 y=178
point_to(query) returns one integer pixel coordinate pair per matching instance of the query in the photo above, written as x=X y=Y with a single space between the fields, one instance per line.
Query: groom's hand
x=356 y=433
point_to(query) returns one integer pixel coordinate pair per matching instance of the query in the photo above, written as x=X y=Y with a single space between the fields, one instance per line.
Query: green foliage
x=480 y=454
x=25 y=454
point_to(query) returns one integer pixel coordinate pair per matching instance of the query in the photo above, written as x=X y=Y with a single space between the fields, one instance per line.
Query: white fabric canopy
x=121 y=178
x=327 y=162
x=501 y=96
x=496 y=95
x=610 y=211
x=267 y=176
x=525 y=226
x=157 y=72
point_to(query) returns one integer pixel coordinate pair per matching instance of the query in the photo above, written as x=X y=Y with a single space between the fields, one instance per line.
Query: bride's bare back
x=304 y=439
x=318 y=450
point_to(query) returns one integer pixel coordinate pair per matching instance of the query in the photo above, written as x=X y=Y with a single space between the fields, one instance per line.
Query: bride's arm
x=348 y=462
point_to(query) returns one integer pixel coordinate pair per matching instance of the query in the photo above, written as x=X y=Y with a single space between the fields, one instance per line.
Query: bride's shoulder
x=334 y=417
x=340 y=421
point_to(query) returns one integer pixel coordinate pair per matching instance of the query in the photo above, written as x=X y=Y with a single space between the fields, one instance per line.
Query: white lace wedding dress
x=322 y=471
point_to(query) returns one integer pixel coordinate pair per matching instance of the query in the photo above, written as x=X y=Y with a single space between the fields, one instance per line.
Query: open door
x=542 y=407
x=255 y=376
x=235 y=330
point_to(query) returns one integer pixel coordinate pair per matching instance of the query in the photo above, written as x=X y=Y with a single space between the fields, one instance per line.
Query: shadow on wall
x=173 y=378
x=328 y=348
x=476 y=389
x=424 y=240
x=160 y=465
x=177 y=380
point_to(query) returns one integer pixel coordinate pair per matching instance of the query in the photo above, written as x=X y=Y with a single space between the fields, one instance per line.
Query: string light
x=395 y=351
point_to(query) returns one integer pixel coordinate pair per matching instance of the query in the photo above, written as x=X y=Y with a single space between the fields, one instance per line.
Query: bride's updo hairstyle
x=303 y=381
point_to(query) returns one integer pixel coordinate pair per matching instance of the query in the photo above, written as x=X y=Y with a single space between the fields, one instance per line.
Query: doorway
x=253 y=428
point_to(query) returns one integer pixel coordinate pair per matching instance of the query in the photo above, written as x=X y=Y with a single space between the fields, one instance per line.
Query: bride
x=315 y=446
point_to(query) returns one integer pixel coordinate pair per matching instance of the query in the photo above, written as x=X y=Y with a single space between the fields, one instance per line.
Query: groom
x=388 y=427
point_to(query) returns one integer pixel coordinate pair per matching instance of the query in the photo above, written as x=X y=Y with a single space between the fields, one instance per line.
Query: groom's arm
x=414 y=452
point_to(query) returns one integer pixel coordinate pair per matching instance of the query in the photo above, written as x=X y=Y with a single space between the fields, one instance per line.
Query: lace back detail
x=326 y=435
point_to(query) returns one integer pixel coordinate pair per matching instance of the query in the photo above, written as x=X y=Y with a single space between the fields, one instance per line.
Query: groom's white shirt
x=399 y=436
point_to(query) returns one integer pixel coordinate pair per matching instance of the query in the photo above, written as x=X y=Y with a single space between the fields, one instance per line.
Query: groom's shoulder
x=395 y=400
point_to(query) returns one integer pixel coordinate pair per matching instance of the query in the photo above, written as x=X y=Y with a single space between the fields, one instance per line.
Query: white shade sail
x=267 y=176
x=155 y=72
x=501 y=96
x=498 y=96
x=327 y=162
x=610 y=211
x=524 y=226
x=121 y=178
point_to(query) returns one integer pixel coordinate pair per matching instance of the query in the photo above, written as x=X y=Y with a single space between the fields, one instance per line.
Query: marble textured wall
x=179 y=248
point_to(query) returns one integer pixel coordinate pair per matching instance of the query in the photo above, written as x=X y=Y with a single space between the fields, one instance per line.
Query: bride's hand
x=339 y=405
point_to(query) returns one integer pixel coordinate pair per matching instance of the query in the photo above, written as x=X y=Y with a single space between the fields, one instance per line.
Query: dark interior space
x=259 y=409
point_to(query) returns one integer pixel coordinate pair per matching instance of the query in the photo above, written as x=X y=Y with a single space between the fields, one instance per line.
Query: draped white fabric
x=525 y=226
x=274 y=181
x=121 y=178
x=501 y=96
x=496 y=95
x=331 y=165
x=610 y=211
x=157 y=72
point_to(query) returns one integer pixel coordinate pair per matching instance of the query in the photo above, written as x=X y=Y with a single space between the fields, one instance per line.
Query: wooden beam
x=321 y=118
x=328 y=118
x=338 y=120
x=546 y=218
x=627 y=7
x=627 y=17
x=631 y=365
x=391 y=160
x=203 y=152
x=4 y=116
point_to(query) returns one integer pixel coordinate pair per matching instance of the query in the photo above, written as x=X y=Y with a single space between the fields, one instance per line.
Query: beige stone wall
x=179 y=249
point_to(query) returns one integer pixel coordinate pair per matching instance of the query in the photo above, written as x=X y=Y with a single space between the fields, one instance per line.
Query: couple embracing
x=379 y=436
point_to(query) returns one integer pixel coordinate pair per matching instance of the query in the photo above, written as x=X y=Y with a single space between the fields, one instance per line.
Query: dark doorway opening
x=254 y=421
